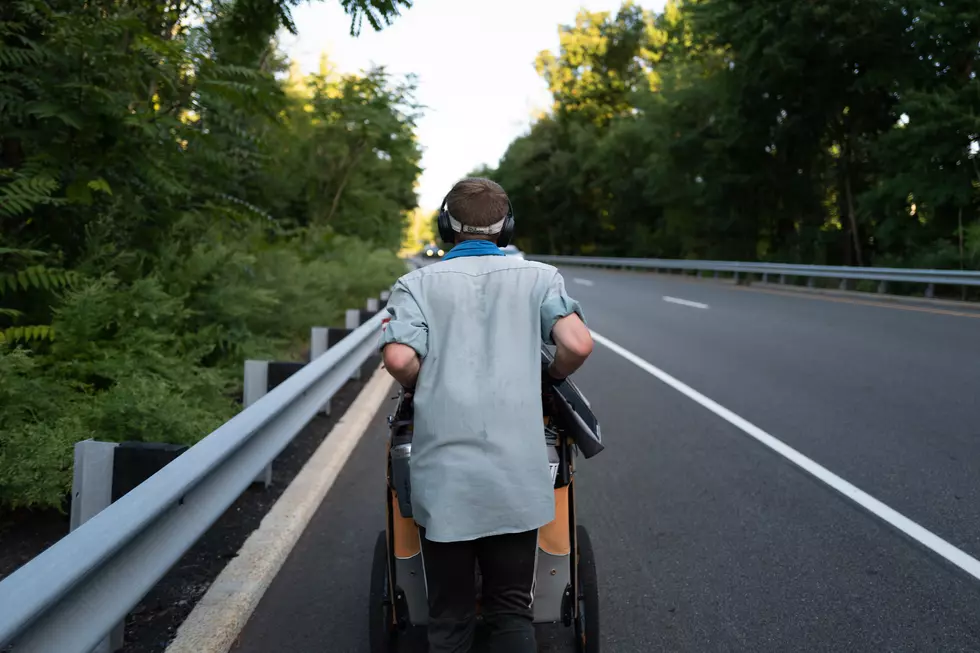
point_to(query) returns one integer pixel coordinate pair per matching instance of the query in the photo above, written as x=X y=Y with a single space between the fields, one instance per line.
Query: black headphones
x=448 y=234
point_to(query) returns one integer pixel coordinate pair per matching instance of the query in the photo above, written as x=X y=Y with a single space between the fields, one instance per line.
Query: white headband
x=462 y=228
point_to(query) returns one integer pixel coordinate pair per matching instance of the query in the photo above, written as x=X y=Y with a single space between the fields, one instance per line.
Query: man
x=464 y=335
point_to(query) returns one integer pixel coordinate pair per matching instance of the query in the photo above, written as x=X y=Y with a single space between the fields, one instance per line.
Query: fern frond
x=37 y=277
x=27 y=334
x=52 y=110
x=25 y=253
x=12 y=313
x=11 y=57
x=22 y=194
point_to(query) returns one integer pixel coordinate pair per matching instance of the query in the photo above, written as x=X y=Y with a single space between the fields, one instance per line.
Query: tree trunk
x=852 y=218
x=343 y=181
x=959 y=224
x=849 y=199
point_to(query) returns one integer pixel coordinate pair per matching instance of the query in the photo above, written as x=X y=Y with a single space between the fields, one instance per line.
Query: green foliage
x=171 y=205
x=825 y=132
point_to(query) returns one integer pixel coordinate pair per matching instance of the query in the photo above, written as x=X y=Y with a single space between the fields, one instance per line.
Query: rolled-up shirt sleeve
x=404 y=323
x=556 y=305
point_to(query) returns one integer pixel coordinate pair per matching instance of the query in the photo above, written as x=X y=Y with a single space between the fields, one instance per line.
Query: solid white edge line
x=219 y=616
x=928 y=539
x=684 y=302
x=584 y=282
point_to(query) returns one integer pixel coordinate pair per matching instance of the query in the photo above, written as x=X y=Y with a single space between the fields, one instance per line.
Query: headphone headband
x=450 y=226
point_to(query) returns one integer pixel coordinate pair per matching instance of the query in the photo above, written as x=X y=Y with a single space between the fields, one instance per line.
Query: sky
x=474 y=60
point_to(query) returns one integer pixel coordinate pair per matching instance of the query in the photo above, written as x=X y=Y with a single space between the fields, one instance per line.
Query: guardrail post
x=319 y=343
x=809 y=282
x=91 y=493
x=931 y=290
x=699 y=274
x=843 y=284
x=256 y=386
x=765 y=277
x=736 y=277
x=782 y=279
x=882 y=287
x=100 y=476
x=352 y=320
x=716 y=274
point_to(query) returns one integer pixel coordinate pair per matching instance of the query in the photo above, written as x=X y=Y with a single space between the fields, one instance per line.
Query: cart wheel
x=587 y=624
x=382 y=635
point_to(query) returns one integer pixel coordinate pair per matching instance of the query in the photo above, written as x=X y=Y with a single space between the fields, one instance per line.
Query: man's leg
x=450 y=579
x=507 y=563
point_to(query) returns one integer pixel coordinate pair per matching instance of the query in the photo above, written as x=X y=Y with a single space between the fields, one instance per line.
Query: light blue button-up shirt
x=479 y=464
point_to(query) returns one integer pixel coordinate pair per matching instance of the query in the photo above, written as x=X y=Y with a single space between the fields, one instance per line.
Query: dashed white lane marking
x=928 y=539
x=584 y=282
x=684 y=302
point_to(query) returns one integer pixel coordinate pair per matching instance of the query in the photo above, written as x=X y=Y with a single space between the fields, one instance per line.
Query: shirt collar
x=473 y=248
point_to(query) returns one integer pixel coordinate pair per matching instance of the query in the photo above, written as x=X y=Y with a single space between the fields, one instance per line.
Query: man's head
x=478 y=202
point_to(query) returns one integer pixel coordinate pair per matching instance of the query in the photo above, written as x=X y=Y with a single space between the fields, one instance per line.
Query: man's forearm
x=566 y=362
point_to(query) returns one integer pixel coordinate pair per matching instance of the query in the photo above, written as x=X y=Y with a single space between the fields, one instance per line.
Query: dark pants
x=507 y=569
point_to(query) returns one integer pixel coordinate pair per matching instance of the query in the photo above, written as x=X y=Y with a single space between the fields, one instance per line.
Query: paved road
x=706 y=539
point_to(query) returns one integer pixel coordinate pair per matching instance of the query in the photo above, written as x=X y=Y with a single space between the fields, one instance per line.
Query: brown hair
x=477 y=202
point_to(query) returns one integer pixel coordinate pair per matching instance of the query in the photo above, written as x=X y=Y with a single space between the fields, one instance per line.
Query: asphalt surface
x=706 y=540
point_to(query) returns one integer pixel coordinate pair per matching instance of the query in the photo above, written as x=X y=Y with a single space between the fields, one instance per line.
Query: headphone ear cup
x=506 y=232
x=445 y=229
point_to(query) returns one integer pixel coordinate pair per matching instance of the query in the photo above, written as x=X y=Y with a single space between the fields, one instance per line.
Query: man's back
x=479 y=460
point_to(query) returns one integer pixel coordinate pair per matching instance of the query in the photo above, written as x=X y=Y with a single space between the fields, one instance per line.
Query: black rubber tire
x=587 y=627
x=381 y=634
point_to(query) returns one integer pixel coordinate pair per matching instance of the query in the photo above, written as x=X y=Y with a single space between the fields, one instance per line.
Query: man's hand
x=403 y=363
x=548 y=378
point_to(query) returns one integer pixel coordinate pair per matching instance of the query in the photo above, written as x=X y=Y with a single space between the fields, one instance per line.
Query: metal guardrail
x=68 y=598
x=782 y=270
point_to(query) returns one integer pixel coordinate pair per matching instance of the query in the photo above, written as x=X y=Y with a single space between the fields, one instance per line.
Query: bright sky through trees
x=475 y=65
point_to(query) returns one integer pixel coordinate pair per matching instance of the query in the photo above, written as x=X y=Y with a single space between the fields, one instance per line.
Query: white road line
x=684 y=302
x=938 y=545
x=584 y=282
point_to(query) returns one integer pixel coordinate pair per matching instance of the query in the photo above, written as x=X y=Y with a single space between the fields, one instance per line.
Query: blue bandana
x=473 y=248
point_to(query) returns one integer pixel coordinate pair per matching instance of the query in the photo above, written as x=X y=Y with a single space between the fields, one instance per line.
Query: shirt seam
x=484 y=273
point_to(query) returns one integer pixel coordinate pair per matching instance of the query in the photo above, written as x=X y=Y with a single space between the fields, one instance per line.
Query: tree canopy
x=175 y=198
x=825 y=132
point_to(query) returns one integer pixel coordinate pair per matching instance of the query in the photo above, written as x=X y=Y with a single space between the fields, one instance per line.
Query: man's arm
x=573 y=343
x=402 y=362
x=404 y=337
x=562 y=325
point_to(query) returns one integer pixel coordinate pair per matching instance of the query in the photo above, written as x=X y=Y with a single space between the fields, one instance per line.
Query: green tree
x=169 y=206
